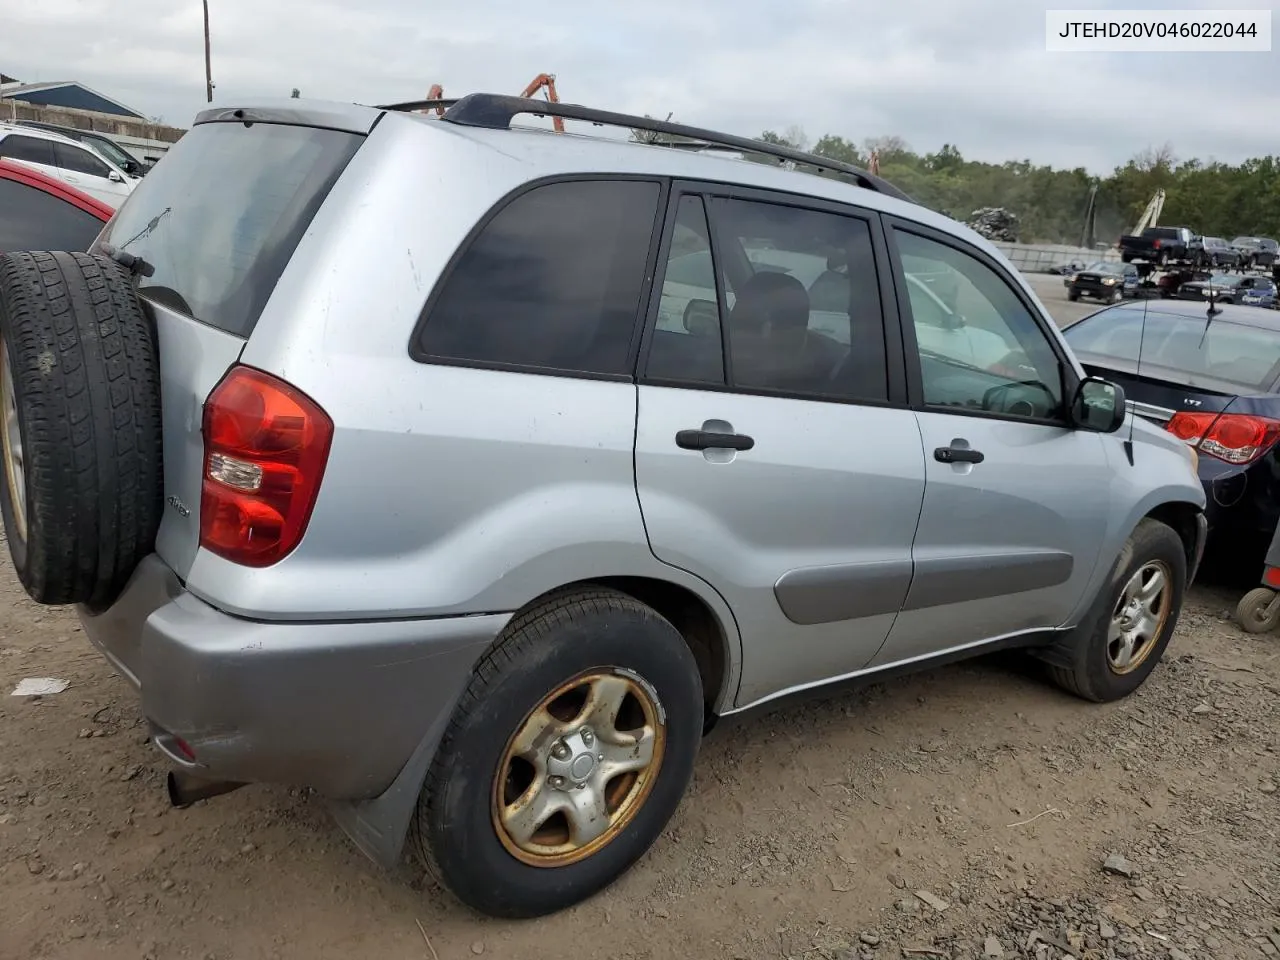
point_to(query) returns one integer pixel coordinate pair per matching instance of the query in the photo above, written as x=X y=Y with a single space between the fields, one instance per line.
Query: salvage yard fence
x=1039 y=257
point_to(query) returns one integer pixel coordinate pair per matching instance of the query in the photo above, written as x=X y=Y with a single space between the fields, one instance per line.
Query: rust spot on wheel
x=578 y=768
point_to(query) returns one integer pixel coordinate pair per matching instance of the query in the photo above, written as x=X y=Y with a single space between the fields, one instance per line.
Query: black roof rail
x=495 y=111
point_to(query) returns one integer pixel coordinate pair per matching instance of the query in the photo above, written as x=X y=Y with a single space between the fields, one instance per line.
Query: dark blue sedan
x=1214 y=381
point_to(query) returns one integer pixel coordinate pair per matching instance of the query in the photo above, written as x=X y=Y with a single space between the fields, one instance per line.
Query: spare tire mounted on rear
x=80 y=428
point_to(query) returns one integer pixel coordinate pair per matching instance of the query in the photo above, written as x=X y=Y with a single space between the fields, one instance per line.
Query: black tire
x=1073 y=296
x=455 y=831
x=86 y=379
x=1079 y=662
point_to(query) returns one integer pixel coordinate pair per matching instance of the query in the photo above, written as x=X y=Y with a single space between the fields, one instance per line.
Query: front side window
x=79 y=160
x=979 y=347
x=553 y=281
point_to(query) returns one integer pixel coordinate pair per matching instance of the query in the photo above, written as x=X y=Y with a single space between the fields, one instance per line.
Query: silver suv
x=465 y=472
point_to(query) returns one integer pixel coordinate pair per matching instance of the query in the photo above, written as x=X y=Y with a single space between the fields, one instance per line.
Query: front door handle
x=710 y=440
x=957 y=455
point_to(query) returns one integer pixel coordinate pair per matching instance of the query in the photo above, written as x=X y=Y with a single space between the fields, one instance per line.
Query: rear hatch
x=215 y=223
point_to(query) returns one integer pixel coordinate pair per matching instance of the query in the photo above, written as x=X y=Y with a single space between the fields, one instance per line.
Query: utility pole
x=208 y=69
x=1088 y=235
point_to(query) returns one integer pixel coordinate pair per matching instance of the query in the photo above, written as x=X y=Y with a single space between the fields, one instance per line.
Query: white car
x=66 y=160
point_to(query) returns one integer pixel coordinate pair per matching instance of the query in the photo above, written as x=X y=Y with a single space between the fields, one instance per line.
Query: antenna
x=1212 y=312
x=1142 y=338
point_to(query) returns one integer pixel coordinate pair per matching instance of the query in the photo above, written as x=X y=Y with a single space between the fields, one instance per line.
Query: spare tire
x=80 y=430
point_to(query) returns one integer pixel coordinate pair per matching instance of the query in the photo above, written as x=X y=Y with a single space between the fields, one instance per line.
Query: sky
x=973 y=73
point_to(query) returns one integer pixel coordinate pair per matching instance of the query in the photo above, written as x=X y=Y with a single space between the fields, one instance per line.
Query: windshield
x=220 y=218
x=113 y=153
x=1178 y=348
x=1224 y=281
x=1102 y=267
x=1245 y=242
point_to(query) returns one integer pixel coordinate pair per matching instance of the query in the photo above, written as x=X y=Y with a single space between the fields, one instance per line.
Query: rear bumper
x=338 y=707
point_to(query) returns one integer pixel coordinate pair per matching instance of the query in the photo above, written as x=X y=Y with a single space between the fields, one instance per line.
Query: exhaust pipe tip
x=186 y=789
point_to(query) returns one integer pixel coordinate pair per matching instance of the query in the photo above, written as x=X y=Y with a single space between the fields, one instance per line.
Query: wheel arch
x=379 y=825
x=1184 y=519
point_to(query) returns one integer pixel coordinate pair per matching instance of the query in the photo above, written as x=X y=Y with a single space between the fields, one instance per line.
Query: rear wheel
x=567 y=755
x=1113 y=652
x=80 y=433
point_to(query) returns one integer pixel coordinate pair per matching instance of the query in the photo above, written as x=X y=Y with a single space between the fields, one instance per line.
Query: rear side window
x=31 y=219
x=30 y=149
x=552 y=282
x=220 y=218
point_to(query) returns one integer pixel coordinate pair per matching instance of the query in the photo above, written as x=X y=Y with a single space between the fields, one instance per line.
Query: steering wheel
x=1020 y=407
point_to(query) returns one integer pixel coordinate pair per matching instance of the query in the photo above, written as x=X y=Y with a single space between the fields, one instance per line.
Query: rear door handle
x=709 y=440
x=957 y=455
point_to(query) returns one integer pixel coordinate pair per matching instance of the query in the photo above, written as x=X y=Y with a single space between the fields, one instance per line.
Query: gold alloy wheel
x=1139 y=617
x=579 y=768
x=11 y=444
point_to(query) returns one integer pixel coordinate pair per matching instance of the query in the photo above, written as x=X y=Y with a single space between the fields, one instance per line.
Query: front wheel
x=1073 y=296
x=568 y=754
x=1114 y=650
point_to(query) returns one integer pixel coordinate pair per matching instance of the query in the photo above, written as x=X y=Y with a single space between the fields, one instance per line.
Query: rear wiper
x=135 y=265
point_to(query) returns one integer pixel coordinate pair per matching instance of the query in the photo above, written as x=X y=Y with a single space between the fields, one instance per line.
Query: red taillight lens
x=1234 y=437
x=265 y=448
x=1156 y=245
x=1190 y=426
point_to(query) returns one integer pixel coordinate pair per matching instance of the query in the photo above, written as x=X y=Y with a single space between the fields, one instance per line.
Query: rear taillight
x=1156 y=244
x=265 y=448
x=1234 y=437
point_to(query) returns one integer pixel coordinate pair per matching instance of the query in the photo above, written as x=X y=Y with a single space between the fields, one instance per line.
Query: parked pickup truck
x=1157 y=244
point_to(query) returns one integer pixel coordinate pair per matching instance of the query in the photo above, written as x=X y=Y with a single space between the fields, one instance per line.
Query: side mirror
x=115 y=177
x=702 y=318
x=1098 y=405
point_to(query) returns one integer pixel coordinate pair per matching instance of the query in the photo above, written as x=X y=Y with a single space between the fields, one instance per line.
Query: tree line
x=1215 y=199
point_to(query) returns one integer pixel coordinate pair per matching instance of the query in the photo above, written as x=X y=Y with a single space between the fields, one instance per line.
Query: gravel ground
x=968 y=812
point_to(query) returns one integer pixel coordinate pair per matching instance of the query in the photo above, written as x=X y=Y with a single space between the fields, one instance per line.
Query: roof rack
x=494 y=111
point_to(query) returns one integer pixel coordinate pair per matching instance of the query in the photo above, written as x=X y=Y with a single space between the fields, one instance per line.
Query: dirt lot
x=965 y=812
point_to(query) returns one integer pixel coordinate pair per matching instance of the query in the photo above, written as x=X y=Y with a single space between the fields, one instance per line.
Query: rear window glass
x=31 y=219
x=220 y=217
x=1179 y=348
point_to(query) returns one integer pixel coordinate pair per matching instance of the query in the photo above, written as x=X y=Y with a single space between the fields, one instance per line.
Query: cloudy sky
x=970 y=72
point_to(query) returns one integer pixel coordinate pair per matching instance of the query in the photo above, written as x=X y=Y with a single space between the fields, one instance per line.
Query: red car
x=38 y=212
